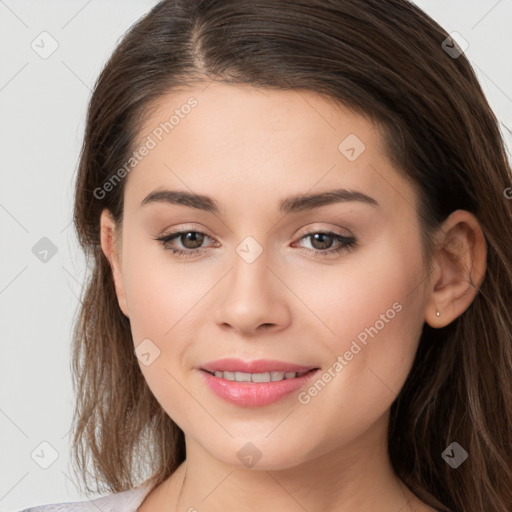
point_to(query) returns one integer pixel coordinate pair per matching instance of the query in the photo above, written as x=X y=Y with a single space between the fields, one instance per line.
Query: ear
x=460 y=262
x=112 y=250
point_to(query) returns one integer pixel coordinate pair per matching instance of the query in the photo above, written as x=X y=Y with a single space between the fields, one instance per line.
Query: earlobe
x=111 y=250
x=460 y=261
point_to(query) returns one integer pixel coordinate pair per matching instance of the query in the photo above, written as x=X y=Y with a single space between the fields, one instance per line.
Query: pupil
x=194 y=237
x=315 y=238
x=197 y=239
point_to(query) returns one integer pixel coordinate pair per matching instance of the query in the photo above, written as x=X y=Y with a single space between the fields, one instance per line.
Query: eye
x=322 y=242
x=192 y=241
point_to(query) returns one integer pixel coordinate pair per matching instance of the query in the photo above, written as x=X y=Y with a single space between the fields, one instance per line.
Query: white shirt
x=126 y=501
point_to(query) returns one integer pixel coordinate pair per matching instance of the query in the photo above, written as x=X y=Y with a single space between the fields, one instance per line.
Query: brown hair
x=385 y=60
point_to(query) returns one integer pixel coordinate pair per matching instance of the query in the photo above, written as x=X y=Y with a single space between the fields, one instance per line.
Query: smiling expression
x=255 y=278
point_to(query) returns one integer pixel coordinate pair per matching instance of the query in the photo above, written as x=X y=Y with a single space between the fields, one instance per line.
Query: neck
x=354 y=478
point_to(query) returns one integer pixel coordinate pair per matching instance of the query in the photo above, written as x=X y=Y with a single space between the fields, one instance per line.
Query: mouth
x=257 y=366
x=258 y=377
x=233 y=381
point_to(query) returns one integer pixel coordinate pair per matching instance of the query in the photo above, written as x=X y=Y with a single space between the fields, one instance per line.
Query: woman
x=300 y=237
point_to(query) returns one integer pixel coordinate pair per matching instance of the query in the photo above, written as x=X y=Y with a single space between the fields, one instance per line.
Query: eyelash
x=346 y=243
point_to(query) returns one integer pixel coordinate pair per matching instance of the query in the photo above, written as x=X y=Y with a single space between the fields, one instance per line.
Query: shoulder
x=127 y=501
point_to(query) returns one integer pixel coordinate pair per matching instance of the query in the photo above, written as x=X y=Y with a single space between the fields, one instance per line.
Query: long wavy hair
x=388 y=61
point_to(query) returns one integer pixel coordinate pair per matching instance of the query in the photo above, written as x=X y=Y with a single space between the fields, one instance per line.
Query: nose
x=251 y=299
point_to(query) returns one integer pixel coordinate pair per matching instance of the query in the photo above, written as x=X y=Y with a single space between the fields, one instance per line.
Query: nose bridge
x=251 y=294
x=250 y=273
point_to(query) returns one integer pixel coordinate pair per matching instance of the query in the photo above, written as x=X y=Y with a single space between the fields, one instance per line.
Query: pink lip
x=254 y=394
x=256 y=366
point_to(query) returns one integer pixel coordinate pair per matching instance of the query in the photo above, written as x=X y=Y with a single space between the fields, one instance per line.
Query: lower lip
x=255 y=394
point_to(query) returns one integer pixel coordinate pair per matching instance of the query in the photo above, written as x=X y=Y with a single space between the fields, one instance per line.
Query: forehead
x=247 y=144
x=243 y=112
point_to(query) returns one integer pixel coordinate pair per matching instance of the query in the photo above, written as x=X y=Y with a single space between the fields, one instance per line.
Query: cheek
x=377 y=314
x=162 y=299
x=369 y=308
x=375 y=309
x=376 y=288
x=160 y=293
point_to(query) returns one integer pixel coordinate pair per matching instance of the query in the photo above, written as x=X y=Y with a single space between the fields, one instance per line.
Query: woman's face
x=257 y=281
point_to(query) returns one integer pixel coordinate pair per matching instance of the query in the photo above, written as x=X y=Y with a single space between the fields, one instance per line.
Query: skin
x=248 y=149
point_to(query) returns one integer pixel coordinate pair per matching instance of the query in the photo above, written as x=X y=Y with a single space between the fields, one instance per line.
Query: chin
x=259 y=454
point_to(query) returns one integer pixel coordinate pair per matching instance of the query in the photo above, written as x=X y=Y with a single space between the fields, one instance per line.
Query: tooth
x=261 y=377
x=242 y=377
x=257 y=377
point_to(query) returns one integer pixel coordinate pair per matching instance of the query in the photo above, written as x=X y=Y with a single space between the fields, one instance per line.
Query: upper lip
x=255 y=366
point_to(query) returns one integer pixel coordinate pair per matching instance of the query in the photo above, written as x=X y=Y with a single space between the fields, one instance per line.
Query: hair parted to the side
x=384 y=60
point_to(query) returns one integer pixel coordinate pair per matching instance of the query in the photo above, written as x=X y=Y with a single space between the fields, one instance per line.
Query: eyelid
x=347 y=243
x=322 y=229
x=187 y=227
x=307 y=230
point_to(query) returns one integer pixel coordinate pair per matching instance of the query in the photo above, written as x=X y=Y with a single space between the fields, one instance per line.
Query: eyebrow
x=293 y=204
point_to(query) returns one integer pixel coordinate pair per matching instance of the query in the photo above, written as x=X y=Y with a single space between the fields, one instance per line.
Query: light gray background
x=42 y=112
